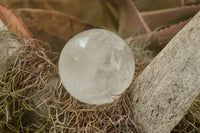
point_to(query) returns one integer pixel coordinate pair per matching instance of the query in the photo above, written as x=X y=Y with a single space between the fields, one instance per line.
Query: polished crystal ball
x=96 y=66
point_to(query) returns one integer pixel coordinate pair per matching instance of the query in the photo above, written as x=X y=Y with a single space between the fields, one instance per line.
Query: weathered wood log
x=165 y=90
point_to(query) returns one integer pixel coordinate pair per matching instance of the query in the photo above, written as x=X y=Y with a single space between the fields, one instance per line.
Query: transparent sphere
x=96 y=66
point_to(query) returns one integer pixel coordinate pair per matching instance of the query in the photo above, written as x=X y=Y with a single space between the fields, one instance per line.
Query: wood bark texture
x=165 y=90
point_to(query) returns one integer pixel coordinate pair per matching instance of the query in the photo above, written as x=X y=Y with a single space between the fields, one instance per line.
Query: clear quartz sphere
x=96 y=66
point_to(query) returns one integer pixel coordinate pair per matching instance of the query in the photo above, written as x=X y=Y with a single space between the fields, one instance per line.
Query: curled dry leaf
x=54 y=23
x=162 y=37
x=91 y=11
x=129 y=20
x=14 y=23
x=119 y=15
x=155 y=19
x=53 y=27
x=148 y=5
x=190 y=2
x=158 y=39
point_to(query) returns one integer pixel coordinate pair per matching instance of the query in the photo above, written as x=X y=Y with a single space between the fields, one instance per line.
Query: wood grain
x=165 y=90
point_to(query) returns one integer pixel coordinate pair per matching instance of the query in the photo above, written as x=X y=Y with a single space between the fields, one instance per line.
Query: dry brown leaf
x=190 y=2
x=129 y=20
x=14 y=23
x=149 y=5
x=158 y=40
x=53 y=27
x=120 y=15
x=155 y=19
x=91 y=11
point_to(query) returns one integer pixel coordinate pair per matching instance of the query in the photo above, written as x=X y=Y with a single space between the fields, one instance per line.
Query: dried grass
x=32 y=99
